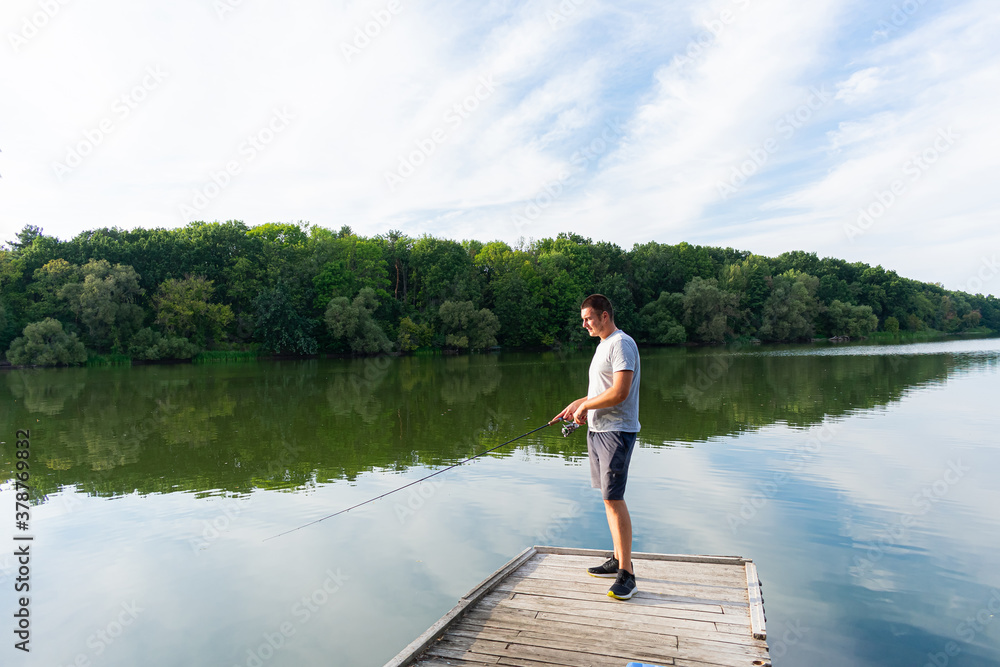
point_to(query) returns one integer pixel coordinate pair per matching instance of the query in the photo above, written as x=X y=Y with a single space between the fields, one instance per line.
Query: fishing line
x=567 y=429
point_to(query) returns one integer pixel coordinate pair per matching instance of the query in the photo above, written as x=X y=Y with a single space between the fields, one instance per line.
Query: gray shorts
x=610 y=453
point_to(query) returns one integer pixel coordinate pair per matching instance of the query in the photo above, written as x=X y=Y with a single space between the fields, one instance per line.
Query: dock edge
x=757 y=616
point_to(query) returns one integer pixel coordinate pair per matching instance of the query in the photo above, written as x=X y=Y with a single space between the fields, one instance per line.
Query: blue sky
x=860 y=130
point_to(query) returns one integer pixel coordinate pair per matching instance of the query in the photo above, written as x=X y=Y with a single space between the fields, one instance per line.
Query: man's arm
x=621 y=384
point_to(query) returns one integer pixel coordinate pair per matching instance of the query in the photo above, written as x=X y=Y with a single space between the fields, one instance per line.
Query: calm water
x=863 y=480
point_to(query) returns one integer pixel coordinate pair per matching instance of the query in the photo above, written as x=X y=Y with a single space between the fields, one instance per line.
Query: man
x=611 y=410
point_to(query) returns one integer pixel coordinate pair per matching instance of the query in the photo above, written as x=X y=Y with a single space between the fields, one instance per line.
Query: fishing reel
x=568 y=428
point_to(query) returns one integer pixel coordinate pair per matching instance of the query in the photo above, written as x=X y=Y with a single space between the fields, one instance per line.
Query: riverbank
x=245 y=356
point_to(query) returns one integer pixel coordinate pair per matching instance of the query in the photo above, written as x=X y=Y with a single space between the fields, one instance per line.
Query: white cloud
x=699 y=91
x=858 y=85
x=919 y=156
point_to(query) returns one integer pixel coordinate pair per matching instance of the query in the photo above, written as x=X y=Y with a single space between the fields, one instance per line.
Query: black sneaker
x=608 y=568
x=624 y=586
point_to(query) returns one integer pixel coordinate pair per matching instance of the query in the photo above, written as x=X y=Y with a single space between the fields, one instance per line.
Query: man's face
x=592 y=321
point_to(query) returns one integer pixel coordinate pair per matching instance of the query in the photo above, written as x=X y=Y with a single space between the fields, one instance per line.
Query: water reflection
x=234 y=428
x=814 y=464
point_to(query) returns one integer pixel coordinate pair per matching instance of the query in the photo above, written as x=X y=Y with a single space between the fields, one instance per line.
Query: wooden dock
x=542 y=609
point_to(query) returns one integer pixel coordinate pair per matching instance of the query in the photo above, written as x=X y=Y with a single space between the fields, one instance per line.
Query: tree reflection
x=286 y=425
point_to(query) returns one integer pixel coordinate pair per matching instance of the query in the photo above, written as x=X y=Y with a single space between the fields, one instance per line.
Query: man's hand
x=621 y=384
x=569 y=413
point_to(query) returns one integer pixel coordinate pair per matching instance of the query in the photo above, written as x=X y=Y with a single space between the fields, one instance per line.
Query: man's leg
x=620 y=524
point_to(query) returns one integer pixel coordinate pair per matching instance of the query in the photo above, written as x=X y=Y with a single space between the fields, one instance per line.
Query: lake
x=862 y=480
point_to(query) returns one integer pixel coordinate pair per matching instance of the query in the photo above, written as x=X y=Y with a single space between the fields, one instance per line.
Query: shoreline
x=242 y=357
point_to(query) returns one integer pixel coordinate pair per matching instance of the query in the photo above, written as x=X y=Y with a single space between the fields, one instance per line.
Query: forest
x=225 y=289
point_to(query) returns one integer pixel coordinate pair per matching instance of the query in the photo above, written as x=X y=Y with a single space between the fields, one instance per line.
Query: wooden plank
x=586 y=590
x=683 y=630
x=568 y=658
x=710 y=659
x=683 y=662
x=524 y=662
x=634 y=645
x=638 y=555
x=709 y=563
x=638 y=645
x=700 y=577
x=651 y=623
x=661 y=624
x=686 y=571
x=724 y=576
x=695 y=591
x=624 y=629
x=713 y=645
x=725 y=655
x=449 y=650
x=597 y=644
x=757 y=627
x=735 y=592
x=447 y=662
x=584 y=605
x=647 y=642
x=612 y=610
x=444 y=650
x=512 y=616
x=463 y=628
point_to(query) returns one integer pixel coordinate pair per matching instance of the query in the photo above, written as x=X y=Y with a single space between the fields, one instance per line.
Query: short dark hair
x=599 y=303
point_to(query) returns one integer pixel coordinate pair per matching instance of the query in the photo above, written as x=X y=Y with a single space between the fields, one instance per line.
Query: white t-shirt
x=617 y=352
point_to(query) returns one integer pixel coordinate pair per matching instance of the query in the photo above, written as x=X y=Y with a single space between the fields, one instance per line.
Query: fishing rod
x=567 y=429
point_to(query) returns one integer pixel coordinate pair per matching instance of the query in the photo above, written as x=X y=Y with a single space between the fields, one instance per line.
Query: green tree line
x=301 y=289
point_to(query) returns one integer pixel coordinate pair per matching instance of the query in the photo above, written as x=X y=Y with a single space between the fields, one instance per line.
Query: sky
x=853 y=129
